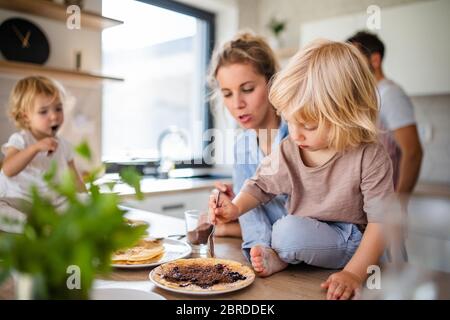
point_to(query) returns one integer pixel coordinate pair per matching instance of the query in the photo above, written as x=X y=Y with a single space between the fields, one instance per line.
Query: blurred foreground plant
x=80 y=235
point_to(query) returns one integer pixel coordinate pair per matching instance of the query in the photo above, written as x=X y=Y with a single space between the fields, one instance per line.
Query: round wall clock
x=23 y=41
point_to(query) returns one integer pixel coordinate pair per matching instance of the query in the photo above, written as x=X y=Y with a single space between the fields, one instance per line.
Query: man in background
x=397 y=122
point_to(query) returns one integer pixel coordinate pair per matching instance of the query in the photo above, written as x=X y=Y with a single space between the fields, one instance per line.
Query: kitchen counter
x=154 y=186
x=295 y=282
x=432 y=189
x=428 y=225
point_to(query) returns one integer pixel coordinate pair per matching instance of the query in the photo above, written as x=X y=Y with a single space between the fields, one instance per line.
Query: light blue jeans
x=322 y=244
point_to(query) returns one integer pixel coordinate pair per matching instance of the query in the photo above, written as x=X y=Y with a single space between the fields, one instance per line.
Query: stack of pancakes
x=144 y=252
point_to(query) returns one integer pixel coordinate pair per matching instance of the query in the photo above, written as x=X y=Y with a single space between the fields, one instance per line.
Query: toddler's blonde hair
x=329 y=83
x=24 y=93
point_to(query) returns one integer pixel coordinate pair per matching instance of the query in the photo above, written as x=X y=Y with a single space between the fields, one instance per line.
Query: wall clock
x=22 y=40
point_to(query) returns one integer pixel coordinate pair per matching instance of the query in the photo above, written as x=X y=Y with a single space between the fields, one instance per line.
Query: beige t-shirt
x=351 y=187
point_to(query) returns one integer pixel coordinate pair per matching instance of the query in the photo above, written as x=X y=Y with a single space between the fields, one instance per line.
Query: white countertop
x=151 y=185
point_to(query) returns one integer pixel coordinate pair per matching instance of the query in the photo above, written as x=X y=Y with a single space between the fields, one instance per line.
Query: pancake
x=203 y=275
x=145 y=250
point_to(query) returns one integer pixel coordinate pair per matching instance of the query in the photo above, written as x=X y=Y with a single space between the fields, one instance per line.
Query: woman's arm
x=230 y=229
x=342 y=285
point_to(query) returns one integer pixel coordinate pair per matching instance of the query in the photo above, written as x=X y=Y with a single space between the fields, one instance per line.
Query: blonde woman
x=240 y=72
x=331 y=167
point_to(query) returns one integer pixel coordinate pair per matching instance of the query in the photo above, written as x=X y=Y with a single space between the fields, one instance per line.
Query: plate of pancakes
x=151 y=252
x=202 y=276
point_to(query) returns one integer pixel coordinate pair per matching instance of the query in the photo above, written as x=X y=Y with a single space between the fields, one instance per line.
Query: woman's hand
x=224 y=211
x=226 y=189
x=342 y=285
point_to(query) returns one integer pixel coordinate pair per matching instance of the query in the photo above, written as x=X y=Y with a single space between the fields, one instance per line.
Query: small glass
x=199 y=233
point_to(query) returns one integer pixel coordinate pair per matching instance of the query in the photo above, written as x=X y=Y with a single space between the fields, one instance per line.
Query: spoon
x=211 y=235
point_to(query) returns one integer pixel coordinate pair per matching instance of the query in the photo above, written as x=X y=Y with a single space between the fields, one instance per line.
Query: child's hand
x=224 y=211
x=225 y=189
x=342 y=285
x=47 y=145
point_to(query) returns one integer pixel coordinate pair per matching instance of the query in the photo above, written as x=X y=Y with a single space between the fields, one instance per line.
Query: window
x=162 y=51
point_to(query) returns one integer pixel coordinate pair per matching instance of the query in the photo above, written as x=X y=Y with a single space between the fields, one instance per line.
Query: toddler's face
x=46 y=116
x=245 y=95
x=307 y=135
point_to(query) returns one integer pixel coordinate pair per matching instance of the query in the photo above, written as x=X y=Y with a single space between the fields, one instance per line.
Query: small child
x=330 y=166
x=36 y=106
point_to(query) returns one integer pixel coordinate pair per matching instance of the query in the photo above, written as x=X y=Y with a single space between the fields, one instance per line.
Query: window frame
x=210 y=19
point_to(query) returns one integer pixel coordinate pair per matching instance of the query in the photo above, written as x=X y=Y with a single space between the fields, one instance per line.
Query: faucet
x=166 y=163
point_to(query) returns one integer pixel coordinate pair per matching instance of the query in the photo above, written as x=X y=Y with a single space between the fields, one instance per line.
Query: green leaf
x=130 y=176
x=84 y=233
x=50 y=174
x=83 y=150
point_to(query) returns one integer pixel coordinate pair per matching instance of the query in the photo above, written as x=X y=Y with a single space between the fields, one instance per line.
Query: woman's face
x=245 y=95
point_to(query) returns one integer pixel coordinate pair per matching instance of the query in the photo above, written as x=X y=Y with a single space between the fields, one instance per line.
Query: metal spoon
x=211 y=235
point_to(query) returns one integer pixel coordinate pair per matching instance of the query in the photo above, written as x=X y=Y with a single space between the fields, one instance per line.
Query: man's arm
x=407 y=139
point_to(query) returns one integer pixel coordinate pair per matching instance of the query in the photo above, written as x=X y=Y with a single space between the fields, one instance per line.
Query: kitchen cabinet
x=174 y=203
x=417 y=52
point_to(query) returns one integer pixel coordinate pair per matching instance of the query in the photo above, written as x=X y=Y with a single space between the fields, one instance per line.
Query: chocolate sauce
x=202 y=276
x=200 y=235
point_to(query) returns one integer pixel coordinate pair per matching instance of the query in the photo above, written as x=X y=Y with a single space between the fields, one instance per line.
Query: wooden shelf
x=48 y=9
x=31 y=68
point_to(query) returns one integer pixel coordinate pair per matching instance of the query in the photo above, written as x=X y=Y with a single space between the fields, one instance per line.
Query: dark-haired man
x=397 y=121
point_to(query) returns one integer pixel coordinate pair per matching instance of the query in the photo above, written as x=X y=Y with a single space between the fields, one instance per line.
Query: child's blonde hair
x=245 y=48
x=329 y=83
x=24 y=93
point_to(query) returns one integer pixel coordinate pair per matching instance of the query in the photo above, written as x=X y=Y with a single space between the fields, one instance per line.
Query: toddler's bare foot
x=265 y=261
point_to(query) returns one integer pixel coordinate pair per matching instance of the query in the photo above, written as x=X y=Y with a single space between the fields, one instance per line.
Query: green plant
x=277 y=26
x=84 y=234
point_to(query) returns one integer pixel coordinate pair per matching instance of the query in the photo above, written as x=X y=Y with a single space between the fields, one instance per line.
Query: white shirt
x=19 y=185
x=396 y=112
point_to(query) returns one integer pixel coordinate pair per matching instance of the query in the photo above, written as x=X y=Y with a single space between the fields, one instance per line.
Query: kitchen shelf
x=31 y=68
x=48 y=9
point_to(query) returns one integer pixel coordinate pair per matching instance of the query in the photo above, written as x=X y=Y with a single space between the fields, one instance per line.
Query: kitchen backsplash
x=433 y=118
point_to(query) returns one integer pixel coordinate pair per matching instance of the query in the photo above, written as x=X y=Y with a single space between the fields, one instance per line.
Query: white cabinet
x=174 y=203
x=416 y=39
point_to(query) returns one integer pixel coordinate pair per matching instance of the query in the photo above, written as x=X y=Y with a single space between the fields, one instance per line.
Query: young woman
x=240 y=72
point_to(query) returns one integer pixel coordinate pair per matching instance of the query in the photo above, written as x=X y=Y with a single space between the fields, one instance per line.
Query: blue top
x=256 y=224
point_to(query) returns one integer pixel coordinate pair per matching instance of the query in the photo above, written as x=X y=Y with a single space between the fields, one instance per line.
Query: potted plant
x=276 y=27
x=60 y=251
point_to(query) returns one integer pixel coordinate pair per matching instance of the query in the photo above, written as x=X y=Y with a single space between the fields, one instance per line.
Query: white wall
x=416 y=39
x=296 y=12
